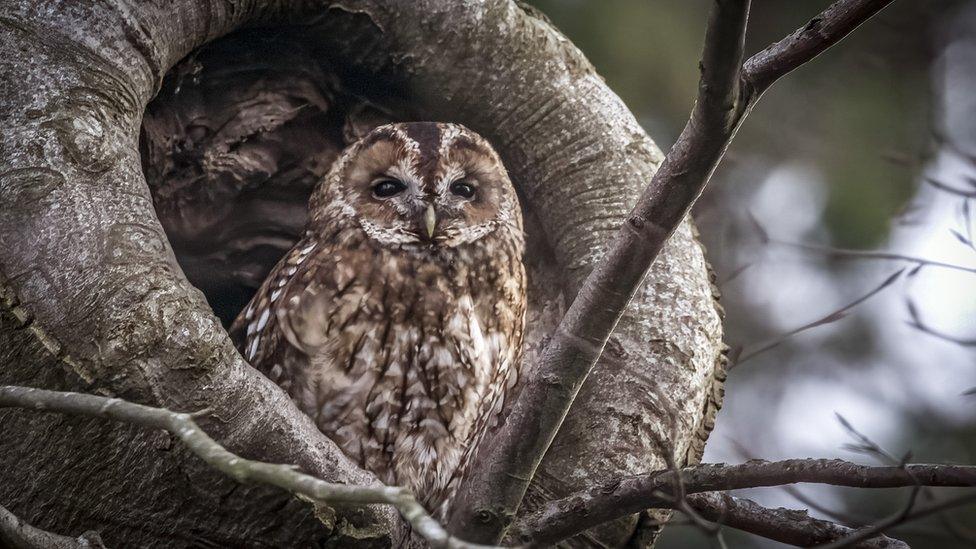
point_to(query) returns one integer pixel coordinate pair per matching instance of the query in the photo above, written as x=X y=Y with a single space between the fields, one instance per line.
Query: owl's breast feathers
x=403 y=357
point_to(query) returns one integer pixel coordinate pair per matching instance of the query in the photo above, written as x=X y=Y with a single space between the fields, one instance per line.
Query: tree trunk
x=95 y=299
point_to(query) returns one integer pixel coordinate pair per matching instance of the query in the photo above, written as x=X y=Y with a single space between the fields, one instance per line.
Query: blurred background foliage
x=835 y=155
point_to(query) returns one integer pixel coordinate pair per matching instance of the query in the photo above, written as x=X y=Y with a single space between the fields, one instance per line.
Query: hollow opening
x=239 y=134
x=232 y=145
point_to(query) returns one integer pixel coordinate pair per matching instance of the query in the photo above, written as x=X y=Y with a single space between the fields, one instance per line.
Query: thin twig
x=845 y=253
x=681 y=502
x=810 y=40
x=901 y=518
x=865 y=445
x=869 y=447
x=949 y=188
x=832 y=317
x=846 y=518
x=920 y=325
x=243 y=470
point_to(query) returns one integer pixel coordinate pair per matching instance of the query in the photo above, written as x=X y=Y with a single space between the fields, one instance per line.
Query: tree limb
x=506 y=463
x=809 y=41
x=783 y=525
x=567 y=516
x=17 y=534
x=243 y=470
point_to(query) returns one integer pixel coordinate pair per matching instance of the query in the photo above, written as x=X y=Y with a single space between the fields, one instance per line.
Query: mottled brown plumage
x=396 y=322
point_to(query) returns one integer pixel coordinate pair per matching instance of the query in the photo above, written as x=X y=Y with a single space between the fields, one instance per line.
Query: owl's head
x=420 y=184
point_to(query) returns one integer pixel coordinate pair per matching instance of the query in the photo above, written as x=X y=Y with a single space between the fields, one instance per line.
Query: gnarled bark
x=94 y=298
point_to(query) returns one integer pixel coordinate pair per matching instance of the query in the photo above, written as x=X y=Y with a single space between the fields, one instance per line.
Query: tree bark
x=95 y=301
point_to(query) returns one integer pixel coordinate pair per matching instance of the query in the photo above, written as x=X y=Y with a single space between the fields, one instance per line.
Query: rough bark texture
x=94 y=299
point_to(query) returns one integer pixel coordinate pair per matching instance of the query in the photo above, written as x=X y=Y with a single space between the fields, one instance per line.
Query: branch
x=782 y=525
x=17 y=534
x=809 y=41
x=573 y=514
x=240 y=469
x=505 y=464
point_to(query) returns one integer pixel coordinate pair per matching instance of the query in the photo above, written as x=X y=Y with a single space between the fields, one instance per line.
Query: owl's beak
x=430 y=221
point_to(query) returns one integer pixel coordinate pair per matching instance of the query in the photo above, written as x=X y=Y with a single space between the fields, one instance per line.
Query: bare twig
x=243 y=470
x=577 y=512
x=782 y=525
x=832 y=317
x=17 y=534
x=489 y=498
x=867 y=446
x=845 y=253
x=949 y=188
x=901 y=518
x=680 y=501
x=809 y=41
x=920 y=325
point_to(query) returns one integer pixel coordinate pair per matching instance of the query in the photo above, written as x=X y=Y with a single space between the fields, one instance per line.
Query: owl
x=396 y=321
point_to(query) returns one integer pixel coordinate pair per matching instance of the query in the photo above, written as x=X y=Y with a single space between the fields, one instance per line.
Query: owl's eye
x=385 y=188
x=462 y=189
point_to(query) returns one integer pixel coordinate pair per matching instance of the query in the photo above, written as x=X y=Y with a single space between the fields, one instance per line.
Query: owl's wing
x=290 y=311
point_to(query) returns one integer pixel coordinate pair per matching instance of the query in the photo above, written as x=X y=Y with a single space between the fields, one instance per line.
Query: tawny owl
x=396 y=321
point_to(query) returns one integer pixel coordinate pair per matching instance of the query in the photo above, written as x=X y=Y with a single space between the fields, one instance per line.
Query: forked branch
x=505 y=464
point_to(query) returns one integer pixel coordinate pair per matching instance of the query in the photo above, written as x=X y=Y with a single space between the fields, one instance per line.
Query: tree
x=95 y=301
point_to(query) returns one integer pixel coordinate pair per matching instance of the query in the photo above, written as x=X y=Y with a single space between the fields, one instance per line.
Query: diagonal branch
x=243 y=470
x=505 y=464
x=567 y=516
x=809 y=41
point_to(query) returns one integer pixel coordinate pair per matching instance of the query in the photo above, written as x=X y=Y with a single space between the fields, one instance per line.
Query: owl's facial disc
x=427 y=185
